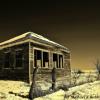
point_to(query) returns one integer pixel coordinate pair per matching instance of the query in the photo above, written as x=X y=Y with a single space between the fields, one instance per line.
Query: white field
x=17 y=90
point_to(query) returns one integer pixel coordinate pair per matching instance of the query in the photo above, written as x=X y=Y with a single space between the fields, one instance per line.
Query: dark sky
x=74 y=24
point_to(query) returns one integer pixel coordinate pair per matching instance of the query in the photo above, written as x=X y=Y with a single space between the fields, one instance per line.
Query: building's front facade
x=20 y=55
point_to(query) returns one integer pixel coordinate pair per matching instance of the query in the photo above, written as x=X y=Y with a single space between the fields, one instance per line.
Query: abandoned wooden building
x=21 y=54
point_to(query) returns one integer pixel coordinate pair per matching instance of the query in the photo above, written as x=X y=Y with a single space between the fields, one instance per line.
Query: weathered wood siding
x=44 y=74
x=13 y=72
x=28 y=63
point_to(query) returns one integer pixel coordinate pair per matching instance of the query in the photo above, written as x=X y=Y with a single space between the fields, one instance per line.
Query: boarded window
x=7 y=60
x=19 y=58
x=45 y=59
x=37 y=58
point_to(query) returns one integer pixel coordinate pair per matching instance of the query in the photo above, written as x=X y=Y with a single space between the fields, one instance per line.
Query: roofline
x=31 y=35
x=21 y=42
x=27 y=41
x=14 y=39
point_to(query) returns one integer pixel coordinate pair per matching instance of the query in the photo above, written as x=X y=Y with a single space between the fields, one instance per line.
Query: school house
x=21 y=54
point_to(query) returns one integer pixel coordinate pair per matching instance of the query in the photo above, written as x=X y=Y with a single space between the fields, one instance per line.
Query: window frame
x=48 y=59
x=4 y=60
x=19 y=49
x=58 y=53
x=42 y=50
x=36 y=59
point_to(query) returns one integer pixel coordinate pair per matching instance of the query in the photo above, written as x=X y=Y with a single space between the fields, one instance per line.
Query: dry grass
x=17 y=90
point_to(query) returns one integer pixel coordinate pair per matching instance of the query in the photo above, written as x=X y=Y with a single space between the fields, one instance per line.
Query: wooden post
x=53 y=78
x=29 y=64
x=33 y=85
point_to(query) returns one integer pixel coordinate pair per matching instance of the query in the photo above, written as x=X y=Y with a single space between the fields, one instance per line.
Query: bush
x=63 y=87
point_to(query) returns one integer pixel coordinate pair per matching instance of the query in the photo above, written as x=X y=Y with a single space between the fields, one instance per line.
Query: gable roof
x=32 y=35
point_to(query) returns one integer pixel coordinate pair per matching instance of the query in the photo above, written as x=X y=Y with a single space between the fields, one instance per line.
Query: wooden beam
x=29 y=64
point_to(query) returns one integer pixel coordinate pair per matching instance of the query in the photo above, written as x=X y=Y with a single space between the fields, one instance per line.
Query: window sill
x=59 y=68
x=48 y=68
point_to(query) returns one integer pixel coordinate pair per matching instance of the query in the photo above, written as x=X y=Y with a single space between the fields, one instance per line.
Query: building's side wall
x=26 y=72
x=12 y=72
x=44 y=74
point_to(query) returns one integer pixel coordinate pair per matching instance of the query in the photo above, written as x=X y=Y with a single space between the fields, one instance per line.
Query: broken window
x=37 y=58
x=7 y=60
x=55 y=60
x=45 y=59
x=60 y=61
x=19 y=58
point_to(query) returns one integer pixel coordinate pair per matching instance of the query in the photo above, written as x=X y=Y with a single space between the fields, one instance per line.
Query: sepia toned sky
x=74 y=24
